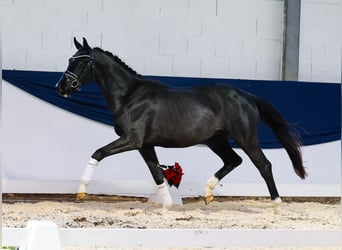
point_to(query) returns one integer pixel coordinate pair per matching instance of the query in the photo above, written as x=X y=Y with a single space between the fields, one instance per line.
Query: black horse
x=147 y=114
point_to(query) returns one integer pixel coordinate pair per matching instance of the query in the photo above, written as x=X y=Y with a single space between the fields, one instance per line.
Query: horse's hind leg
x=150 y=157
x=255 y=153
x=231 y=160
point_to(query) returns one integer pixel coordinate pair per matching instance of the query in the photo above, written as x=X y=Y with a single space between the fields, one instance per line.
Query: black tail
x=291 y=143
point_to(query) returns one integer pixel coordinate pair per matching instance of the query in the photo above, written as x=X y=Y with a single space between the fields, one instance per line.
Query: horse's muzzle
x=60 y=90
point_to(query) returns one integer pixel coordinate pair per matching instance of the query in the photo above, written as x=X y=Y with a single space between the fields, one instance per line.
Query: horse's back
x=180 y=118
x=187 y=116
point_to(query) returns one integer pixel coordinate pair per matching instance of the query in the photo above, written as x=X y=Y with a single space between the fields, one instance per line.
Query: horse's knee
x=98 y=155
x=237 y=161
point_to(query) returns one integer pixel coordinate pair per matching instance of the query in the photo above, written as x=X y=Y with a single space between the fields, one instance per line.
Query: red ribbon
x=173 y=174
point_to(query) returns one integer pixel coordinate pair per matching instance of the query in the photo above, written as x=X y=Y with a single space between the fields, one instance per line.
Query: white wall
x=209 y=38
x=320 y=41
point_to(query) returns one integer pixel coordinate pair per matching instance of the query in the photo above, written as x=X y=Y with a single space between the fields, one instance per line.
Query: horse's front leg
x=120 y=145
x=150 y=157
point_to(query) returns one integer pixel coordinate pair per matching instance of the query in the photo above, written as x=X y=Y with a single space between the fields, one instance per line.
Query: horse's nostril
x=58 y=88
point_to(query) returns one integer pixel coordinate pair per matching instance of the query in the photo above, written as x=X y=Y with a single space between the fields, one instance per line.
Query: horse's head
x=80 y=70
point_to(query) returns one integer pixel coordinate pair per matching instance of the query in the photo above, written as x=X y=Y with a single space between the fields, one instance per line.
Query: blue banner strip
x=313 y=109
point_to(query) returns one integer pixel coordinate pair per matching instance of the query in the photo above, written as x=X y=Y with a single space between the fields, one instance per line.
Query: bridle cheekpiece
x=75 y=83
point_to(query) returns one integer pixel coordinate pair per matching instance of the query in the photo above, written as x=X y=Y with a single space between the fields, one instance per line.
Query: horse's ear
x=77 y=44
x=85 y=43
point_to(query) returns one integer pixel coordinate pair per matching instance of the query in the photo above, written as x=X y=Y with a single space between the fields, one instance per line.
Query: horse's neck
x=115 y=83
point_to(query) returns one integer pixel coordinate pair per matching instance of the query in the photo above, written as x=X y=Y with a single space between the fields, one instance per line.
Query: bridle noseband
x=75 y=83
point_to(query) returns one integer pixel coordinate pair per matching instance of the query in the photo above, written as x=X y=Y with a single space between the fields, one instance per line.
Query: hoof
x=208 y=199
x=277 y=205
x=81 y=196
x=167 y=205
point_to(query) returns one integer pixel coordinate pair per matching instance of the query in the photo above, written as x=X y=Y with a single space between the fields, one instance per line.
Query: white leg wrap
x=210 y=186
x=277 y=201
x=87 y=175
x=164 y=193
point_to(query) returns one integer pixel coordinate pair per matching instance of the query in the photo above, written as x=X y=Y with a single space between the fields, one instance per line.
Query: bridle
x=75 y=83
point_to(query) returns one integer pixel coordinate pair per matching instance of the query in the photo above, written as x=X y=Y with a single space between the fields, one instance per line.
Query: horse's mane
x=119 y=61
